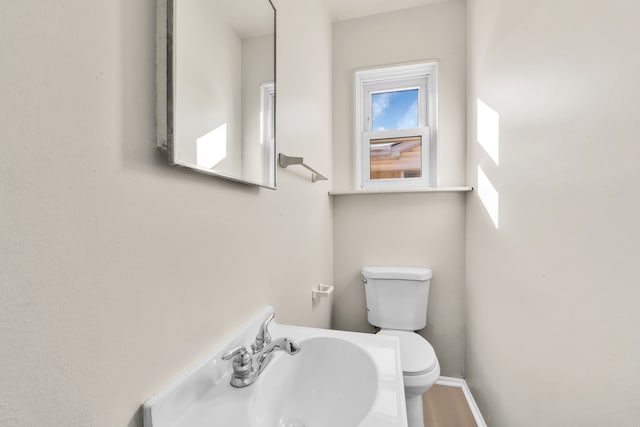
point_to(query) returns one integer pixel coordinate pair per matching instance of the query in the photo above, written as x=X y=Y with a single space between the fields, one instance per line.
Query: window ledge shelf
x=402 y=190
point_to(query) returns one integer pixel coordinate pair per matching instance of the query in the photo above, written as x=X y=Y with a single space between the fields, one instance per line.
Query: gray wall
x=403 y=229
x=553 y=292
x=117 y=271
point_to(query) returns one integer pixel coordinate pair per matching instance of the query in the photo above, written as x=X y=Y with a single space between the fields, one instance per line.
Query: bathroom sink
x=337 y=379
x=331 y=382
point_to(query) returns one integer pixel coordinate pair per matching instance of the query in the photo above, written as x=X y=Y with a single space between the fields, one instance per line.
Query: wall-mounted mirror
x=215 y=102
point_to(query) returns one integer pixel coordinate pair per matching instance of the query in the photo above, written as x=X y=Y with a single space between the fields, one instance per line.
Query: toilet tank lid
x=399 y=273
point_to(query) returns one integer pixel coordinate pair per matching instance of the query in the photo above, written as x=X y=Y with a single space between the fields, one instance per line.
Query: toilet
x=397 y=300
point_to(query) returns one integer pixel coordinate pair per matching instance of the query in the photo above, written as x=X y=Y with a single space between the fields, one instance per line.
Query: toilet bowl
x=397 y=299
x=420 y=371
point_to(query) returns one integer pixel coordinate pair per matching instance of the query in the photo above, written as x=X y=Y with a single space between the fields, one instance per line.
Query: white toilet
x=397 y=300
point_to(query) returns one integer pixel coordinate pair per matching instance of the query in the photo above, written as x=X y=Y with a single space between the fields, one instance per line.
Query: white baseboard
x=461 y=383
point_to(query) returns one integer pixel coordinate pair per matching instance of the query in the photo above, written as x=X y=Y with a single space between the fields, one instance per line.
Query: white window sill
x=402 y=190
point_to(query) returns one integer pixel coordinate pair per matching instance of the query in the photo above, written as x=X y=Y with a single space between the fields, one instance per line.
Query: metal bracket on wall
x=284 y=161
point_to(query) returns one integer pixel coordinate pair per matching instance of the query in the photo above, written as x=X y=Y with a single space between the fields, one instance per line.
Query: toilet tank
x=397 y=297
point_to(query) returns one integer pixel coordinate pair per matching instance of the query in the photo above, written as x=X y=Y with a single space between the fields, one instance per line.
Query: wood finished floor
x=446 y=406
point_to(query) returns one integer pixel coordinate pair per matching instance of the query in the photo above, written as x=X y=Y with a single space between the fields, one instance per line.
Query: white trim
x=423 y=76
x=473 y=407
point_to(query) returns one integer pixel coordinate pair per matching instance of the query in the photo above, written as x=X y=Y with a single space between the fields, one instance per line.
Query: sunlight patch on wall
x=211 y=148
x=488 y=196
x=488 y=125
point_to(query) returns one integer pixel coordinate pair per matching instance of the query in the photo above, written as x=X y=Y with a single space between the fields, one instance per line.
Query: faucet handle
x=241 y=359
x=263 y=337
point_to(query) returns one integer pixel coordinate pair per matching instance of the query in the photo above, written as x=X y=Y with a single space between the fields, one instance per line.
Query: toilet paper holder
x=321 y=291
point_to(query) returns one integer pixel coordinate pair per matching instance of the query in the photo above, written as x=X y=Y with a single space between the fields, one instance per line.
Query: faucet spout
x=263 y=337
x=285 y=344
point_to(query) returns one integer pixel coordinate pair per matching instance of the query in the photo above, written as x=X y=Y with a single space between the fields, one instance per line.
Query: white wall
x=552 y=293
x=409 y=229
x=117 y=271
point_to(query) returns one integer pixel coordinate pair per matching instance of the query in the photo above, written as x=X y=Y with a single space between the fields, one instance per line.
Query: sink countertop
x=204 y=398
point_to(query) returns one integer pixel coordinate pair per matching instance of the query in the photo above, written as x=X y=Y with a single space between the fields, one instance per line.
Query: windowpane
x=396 y=126
x=394 y=110
x=396 y=158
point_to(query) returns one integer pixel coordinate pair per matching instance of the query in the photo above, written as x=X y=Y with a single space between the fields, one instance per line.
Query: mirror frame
x=165 y=93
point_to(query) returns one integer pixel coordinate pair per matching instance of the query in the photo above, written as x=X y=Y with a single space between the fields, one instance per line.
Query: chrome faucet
x=263 y=337
x=247 y=366
x=287 y=345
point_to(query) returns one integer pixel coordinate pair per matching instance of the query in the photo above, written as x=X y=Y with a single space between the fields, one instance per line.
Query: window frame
x=267 y=130
x=422 y=76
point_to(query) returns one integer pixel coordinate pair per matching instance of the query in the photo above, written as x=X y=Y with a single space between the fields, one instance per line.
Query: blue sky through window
x=395 y=110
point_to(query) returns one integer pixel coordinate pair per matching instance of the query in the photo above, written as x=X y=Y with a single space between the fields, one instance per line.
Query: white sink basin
x=330 y=382
x=338 y=379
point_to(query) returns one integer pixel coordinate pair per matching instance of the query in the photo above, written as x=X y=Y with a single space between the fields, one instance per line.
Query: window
x=267 y=134
x=395 y=126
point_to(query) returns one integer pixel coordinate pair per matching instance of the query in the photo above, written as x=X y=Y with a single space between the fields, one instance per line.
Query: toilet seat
x=417 y=356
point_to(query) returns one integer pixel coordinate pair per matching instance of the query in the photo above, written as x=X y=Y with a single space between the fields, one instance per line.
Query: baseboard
x=461 y=383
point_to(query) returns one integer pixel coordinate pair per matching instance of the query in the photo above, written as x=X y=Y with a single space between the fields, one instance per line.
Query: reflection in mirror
x=220 y=88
